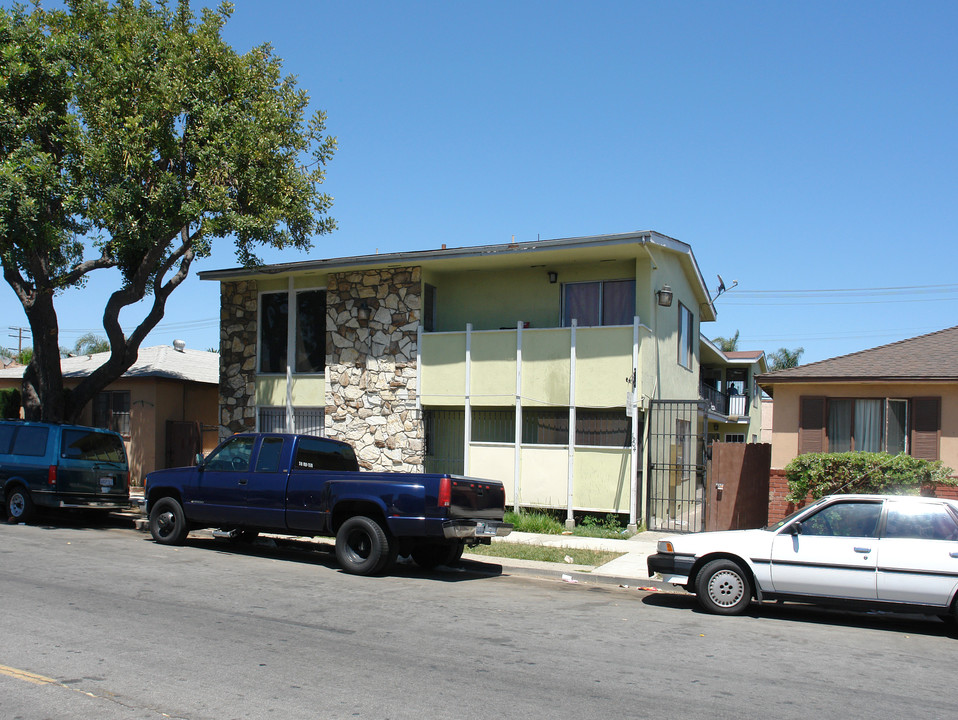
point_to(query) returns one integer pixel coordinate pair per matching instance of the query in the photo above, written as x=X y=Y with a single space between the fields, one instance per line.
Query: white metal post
x=518 y=438
x=634 y=409
x=419 y=372
x=290 y=353
x=467 y=424
x=569 y=518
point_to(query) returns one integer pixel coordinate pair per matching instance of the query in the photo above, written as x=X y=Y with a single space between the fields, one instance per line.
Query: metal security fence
x=677 y=466
x=306 y=420
x=445 y=430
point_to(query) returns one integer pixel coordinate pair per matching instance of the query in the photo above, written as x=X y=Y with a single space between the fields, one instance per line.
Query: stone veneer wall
x=238 y=308
x=371 y=366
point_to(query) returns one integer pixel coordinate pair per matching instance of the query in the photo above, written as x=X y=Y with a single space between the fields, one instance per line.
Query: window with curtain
x=866 y=425
x=545 y=426
x=603 y=428
x=606 y=302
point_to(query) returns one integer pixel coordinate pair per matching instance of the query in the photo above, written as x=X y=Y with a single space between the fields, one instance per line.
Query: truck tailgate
x=477 y=499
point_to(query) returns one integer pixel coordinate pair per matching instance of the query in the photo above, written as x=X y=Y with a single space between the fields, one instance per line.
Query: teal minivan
x=61 y=466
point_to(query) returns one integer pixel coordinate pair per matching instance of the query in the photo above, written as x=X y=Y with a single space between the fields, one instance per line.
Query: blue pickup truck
x=305 y=485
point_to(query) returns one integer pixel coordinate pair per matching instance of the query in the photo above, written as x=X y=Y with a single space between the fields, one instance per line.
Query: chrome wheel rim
x=16 y=505
x=165 y=524
x=726 y=588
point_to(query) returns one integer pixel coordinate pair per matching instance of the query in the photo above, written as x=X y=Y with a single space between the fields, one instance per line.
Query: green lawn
x=545 y=554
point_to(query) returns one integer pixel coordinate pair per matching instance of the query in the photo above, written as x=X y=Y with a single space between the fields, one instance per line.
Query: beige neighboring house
x=164 y=406
x=901 y=397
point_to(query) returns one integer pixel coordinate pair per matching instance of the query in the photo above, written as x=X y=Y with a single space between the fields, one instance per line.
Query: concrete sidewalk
x=628 y=570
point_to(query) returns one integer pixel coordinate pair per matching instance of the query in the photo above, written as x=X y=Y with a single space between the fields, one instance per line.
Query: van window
x=94 y=446
x=6 y=435
x=31 y=441
x=318 y=454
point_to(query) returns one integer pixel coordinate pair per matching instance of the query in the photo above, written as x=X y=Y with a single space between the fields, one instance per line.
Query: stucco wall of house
x=494 y=299
x=663 y=377
x=785 y=412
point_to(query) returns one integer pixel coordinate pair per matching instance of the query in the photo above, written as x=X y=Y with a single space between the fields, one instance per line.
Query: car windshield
x=786 y=520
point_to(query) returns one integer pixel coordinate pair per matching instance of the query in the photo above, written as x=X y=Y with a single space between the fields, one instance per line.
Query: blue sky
x=807 y=150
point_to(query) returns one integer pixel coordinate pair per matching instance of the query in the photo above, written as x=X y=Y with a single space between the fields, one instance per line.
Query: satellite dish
x=721 y=287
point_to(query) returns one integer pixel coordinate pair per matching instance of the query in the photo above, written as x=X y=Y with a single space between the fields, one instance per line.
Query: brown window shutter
x=925 y=427
x=811 y=425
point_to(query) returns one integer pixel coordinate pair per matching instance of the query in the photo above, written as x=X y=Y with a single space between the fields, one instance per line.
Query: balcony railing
x=723 y=403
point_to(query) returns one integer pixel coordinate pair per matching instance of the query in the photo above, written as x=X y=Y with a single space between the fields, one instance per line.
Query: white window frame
x=291 y=324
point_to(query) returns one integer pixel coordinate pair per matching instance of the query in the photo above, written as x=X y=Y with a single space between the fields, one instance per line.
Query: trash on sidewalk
x=568 y=559
x=569 y=579
x=649 y=589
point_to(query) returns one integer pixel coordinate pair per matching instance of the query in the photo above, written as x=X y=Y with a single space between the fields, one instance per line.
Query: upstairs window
x=273 y=331
x=309 y=341
x=686 y=348
x=606 y=302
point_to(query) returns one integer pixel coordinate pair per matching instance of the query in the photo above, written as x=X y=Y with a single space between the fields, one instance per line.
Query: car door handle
x=863 y=550
x=243 y=481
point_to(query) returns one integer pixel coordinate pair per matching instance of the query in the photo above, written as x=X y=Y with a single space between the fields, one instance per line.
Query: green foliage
x=91 y=343
x=9 y=404
x=729 y=344
x=534 y=522
x=608 y=526
x=134 y=128
x=820 y=474
x=785 y=358
x=580 y=556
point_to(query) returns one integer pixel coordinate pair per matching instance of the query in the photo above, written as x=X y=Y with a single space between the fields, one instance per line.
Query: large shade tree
x=131 y=136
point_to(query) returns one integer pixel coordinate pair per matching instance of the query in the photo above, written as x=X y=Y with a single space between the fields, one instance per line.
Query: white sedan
x=877 y=551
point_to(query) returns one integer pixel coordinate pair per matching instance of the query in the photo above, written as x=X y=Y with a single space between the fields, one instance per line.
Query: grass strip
x=518 y=551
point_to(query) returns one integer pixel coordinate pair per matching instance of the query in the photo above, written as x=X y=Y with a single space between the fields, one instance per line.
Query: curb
x=491 y=566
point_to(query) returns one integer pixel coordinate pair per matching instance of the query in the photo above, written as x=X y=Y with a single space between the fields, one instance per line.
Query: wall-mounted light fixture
x=363 y=312
x=665 y=296
x=553 y=276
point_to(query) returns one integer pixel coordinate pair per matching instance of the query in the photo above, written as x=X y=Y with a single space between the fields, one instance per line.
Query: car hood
x=726 y=540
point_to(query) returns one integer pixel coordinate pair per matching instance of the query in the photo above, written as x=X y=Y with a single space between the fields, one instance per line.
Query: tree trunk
x=42 y=387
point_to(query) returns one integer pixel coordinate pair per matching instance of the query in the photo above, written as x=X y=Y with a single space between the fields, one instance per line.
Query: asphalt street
x=100 y=622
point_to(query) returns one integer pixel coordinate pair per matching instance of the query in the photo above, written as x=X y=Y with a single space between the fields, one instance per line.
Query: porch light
x=363 y=312
x=553 y=276
x=665 y=296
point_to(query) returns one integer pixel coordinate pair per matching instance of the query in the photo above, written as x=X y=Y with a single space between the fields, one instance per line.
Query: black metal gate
x=677 y=466
x=444 y=431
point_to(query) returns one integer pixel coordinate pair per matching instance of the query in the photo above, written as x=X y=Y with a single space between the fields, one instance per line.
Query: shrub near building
x=816 y=475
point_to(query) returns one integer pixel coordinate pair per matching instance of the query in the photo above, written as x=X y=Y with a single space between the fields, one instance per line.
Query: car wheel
x=429 y=555
x=723 y=587
x=362 y=547
x=168 y=522
x=20 y=507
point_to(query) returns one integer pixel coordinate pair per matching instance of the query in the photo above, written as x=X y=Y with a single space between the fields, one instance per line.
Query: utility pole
x=18 y=334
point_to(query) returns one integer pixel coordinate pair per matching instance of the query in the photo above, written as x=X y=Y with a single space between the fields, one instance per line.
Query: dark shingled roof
x=926 y=357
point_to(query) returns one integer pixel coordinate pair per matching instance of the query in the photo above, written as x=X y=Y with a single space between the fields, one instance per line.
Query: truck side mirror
x=795 y=528
x=198 y=460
